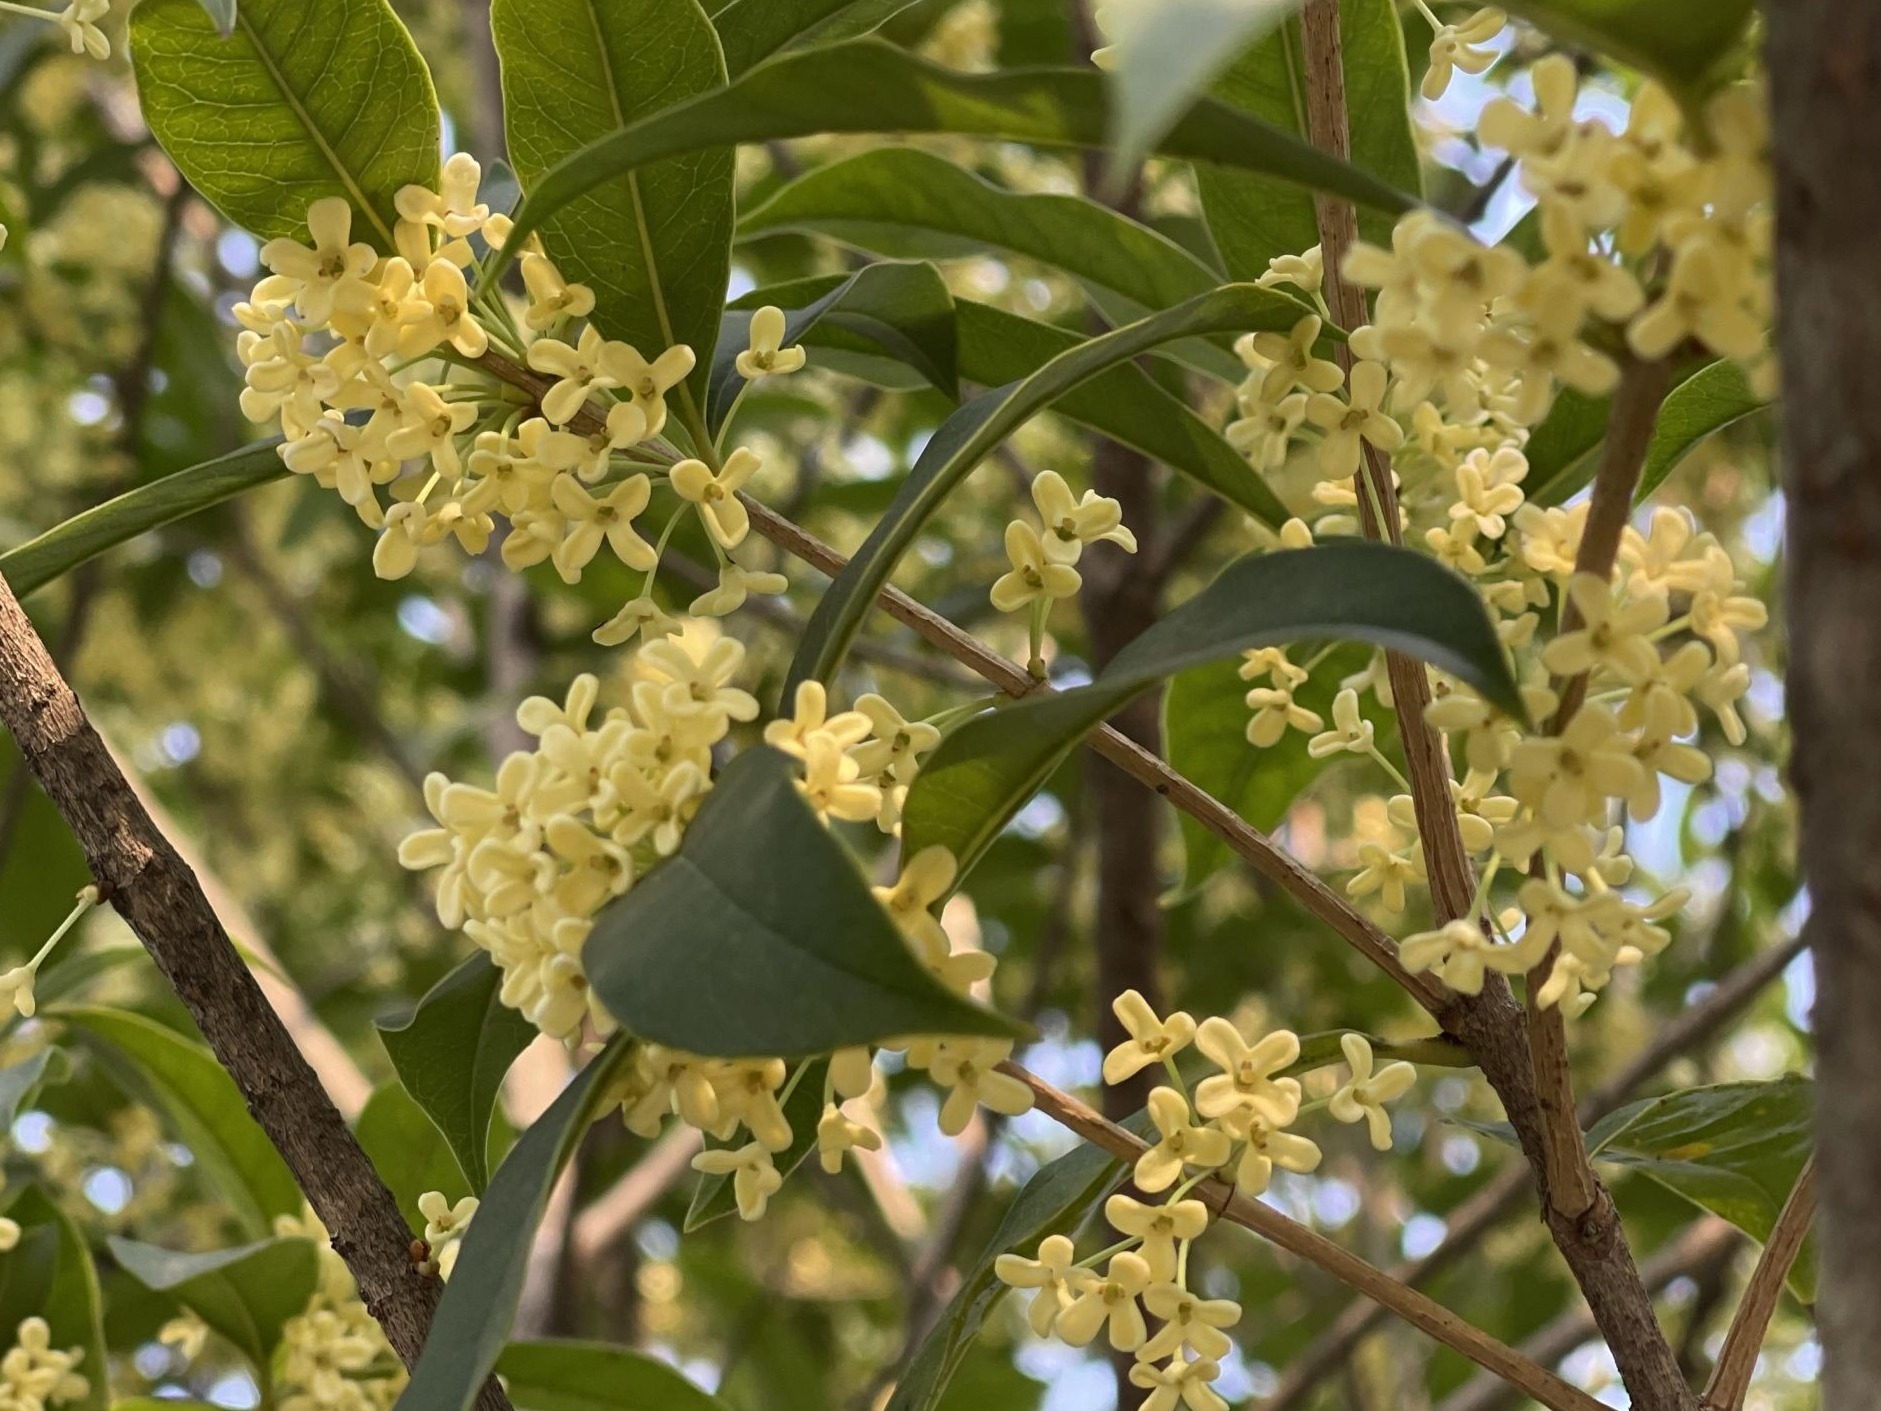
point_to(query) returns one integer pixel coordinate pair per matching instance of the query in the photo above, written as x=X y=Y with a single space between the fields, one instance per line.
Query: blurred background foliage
x=280 y=705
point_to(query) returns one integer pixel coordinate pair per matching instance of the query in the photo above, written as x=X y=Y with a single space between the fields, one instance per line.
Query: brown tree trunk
x=1825 y=78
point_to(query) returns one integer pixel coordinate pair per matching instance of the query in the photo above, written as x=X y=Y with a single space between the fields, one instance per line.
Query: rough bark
x=1824 y=62
x=140 y=873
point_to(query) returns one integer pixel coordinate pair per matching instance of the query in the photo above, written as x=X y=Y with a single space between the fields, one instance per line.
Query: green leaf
x=982 y=773
x=20 y=1083
x=49 y=1274
x=1254 y=218
x=1679 y=40
x=654 y=242
x=1559 y=450
x=970 y=435
x=451 y=1053
x=1164 y=56
x=479 y=1303
x=300 y=102
x=84 y=536
x=408 y=1151
x=1125 y=403
x=1707 y=402
x=1708 y=398
x=764 y=900
x=182 y=1079
x=1735 y=1149
x=593 y=1376
x=1056 y=1200
x=221 y=13
x=714 y=1198
x=753 y=30
x=245 y=1294
x=1205 y=719
x=903 y=311
x=869 y=86
x=903 y=202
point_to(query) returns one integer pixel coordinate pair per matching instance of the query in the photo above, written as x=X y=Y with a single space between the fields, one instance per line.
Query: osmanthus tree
x=1410 y=480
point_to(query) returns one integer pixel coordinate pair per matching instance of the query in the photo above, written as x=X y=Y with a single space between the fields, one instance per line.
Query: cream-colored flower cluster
x=1235 y=1124
x=1657 y=242
x=525 y=867
x=392 y=370
x=34 y=1375
x=333 y=1355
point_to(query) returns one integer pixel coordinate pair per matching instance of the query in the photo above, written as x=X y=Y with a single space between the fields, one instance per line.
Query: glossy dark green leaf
x=1707 y=398
x=1126 y=403
x=1056 y=1200
x=300 y=102
x=479 y=1303
x=451 y=1053
x=1736 y=1149
x=1254 y=218
x=1680 y=40
x=760 y=937
x=181 y=1079
x=869 y=86
x=753 y=30
x=970 y=435
x=1709 y=401
x=906 y=203
x=408 y=1151
x=654 y=242
x=903 y=311
x=1164 y=56
x=49 y=1274
x=983 y=772
x=245 y=1294
x=84 y=536
x=593 y=1376
x=714 y=1197
x=1205 y=719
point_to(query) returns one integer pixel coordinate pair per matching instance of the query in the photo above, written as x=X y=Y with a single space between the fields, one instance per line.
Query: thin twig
x=1473 y=1219
x=139 y=872
x=1572 y=1186
x=1415 y=1308
x=1743 y=1341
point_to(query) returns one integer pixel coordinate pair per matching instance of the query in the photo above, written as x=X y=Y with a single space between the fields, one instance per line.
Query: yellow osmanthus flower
x=1152 y=1040
x=754 y=1179
x=1072 y=523
x=716 y=493
x=1456 y=47
x=1363 y=1096
x=766 y=356
x=1181 y=1143
x=1035 y=576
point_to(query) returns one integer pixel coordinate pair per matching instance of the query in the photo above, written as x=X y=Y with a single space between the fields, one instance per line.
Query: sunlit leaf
x=868 y=86
x=653 y=243
x=84 y=536
x=753 y=30
x=262 y=124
